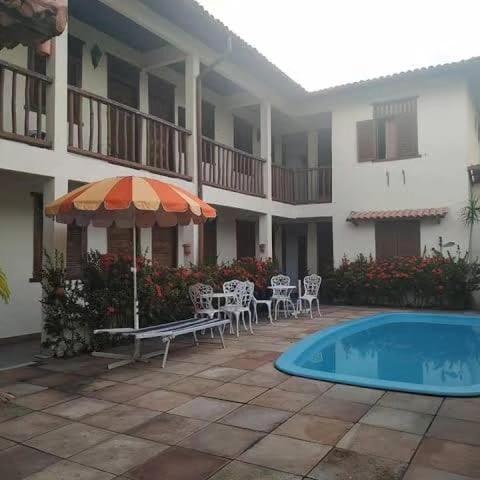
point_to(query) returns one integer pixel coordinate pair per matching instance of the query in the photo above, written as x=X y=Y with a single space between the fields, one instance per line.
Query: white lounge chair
x=167 y=332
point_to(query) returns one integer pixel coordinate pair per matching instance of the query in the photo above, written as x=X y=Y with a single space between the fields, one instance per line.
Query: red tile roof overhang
x=411 y=214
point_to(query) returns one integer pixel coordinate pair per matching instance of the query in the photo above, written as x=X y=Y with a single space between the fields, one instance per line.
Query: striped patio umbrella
x=128 y=202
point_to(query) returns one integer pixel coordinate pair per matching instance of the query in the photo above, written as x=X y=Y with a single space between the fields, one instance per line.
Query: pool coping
x=286 y=362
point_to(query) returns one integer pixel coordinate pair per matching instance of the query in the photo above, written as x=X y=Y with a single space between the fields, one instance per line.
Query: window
x=37 y=90
x=392 y=133
x=76 y=250
x=242 y=135
x=75 y=69
x=37 y=236
x=397 y=239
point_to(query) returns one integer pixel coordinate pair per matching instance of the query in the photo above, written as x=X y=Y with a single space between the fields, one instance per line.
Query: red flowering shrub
x=436 y=281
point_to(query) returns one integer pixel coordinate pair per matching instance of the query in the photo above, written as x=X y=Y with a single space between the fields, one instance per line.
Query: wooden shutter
x=120 y=240
x=406 y=134
x=208 y=120
x=37 y=63
x=164 y=246
x=366 y=141
x=161 y=98
x=245 y=239
x=75 y=73
x=37 y=236
x=242 y=135
x=210 y=242
x=408 y=238
x=397 y=239
x=76 y=250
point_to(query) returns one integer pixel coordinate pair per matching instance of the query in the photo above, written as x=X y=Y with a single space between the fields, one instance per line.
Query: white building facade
x=284 y=168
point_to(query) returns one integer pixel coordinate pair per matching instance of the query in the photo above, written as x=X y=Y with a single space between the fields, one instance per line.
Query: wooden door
x=164 y=246
x=324 y=247
x=245 y=239
x=210 y=242
x=124 y=127
x=302 y=256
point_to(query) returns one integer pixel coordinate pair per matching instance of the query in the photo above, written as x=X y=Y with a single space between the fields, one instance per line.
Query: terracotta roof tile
x=372 y=215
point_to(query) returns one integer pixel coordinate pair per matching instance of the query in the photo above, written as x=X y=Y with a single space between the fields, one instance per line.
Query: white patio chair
x=240 y=306
x=230 y=287
x=281 y=296
x=202 y=304
x=256 y=302
x=311 y=285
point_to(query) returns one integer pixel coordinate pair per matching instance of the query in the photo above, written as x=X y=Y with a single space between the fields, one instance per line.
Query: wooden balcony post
x=143 y=104
x=57 y=96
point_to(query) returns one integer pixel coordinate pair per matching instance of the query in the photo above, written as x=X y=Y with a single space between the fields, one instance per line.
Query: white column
x=192 y=70
x=266 y=145
x=144 y=107
x=54 y=233
x=57 y=97
x=312 y=152
x=187 y=241
x=278 y=245
x=312 y=253
x=265 y=236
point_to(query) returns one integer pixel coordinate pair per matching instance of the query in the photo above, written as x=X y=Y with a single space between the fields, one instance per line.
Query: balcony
x=102 y=128
x=301 y=186
x=23 y=105
x=231 y=169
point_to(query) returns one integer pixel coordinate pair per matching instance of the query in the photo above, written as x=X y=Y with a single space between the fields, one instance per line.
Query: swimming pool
x=433 y=354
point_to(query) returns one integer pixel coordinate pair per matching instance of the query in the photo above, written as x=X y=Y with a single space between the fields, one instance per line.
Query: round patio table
x=279 y=295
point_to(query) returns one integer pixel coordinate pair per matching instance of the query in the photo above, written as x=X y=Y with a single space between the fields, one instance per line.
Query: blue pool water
x=434 y=354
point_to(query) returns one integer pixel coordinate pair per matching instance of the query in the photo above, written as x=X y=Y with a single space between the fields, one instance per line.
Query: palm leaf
x=471 y=212
x=4 y=289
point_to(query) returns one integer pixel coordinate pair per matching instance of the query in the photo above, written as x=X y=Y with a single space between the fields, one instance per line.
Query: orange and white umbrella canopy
x=130 y=201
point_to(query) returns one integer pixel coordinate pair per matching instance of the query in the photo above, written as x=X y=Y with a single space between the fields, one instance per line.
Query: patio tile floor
x=228 y=415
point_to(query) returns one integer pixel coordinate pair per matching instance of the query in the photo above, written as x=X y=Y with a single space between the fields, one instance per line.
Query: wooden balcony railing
x=105 y=129
x=299 y=186
x=23 y=105
x=231 y=169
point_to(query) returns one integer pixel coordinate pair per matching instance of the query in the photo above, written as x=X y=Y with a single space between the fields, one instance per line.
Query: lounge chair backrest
x=278 y=280
x=311 y=284
x=197 y=292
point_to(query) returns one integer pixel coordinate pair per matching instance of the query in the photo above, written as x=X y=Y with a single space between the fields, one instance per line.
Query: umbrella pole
x=136 y=321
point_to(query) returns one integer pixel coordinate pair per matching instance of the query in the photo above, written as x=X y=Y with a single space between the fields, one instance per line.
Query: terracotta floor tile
x=257 y=418
x=194 y=385
x=450 y=456
x=461 y=408
x=69 y=440
x=22 y=428
x=122 y=374
x=396 y=419
x=183 y=368
x=381 y=442
x=44 y=399
x=326 y=431
x=338 y=409
x=119 y=454
x=416 y=472
x=236 y=392
x=155 y=379
x=222 y=440
x=79 y=408
x=65 y=470
x=305 y=385
x=244 y=471
x=87 y=385
x=161 y=400
x=122 y=392
x=121 y=418
x=222 y=374
x=21 y=374
x=412 y=402
x=21 y=389
x=178 y=463
x=11 y=410
x=354 y=394
x=261 y=355
x=245 y=363
x=18 y=462
x=169 y=429
x=4 y=444
x=446 y=428
x=205 y=408
x=344 y=464
x=260 y=379
x=285 y=454
x=57 y=379
x=283 y=400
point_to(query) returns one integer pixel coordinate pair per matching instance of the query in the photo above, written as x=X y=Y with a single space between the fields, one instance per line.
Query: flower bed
x=428 y=281
x=104 y=297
